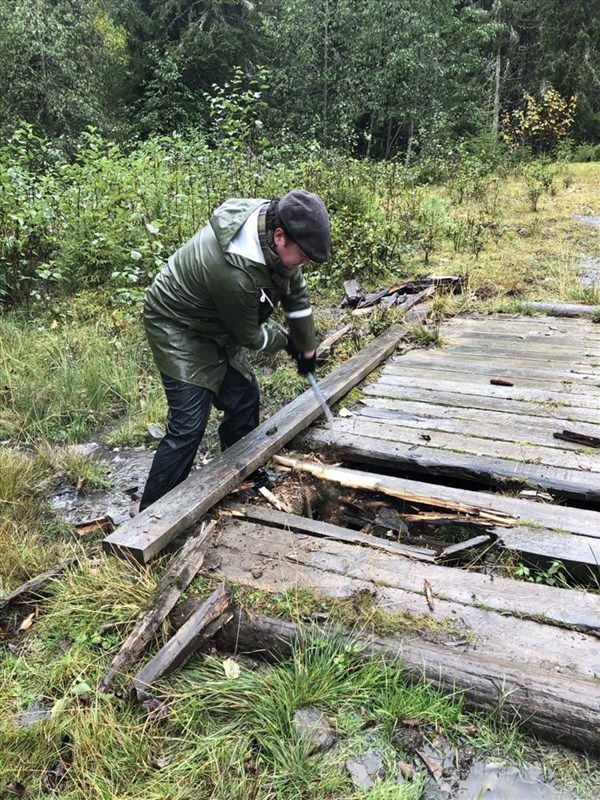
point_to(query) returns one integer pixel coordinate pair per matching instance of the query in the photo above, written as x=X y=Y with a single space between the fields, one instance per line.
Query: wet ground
x=126 y=469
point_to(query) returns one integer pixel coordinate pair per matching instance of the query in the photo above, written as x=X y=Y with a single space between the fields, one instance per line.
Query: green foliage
x=553 y=575
x=539 y=180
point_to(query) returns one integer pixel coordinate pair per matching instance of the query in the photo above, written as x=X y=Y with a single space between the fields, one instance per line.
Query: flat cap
x=304 y=217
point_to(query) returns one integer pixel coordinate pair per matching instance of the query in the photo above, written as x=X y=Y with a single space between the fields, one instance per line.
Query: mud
x=126 y=469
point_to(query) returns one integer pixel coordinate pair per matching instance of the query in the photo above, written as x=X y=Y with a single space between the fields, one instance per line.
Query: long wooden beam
x=145 y=535
x=553 y=706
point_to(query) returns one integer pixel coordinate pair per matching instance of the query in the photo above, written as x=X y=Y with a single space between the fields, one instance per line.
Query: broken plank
x=482 y=469
x=182 y=570
x=573 y=551
x=573 y=520
x=452 y=551
x=311 y=527
x=328 y=342
x=199 y=628
x=37 y=585
x=552 y=706
x=481 y=442
x=377 y=483
x=577 y=438
x=450 y=398
x=145 y=535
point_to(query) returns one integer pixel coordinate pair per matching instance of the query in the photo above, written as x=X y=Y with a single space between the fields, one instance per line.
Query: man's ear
x=279 y=237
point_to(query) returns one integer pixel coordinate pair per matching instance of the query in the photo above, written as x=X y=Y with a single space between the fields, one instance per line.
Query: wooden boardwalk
x=434 y=420
x=437 y=411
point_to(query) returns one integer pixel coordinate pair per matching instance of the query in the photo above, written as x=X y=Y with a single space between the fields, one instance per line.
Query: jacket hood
x=229 y=217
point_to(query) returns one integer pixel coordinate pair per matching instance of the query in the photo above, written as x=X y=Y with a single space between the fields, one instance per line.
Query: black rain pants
x=189 y=410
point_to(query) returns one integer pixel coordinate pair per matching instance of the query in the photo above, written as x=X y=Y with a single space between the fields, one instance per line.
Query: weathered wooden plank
x=201 y=626
x=463 y=374
x=479 y=442
x=573 y=520
x=417 y=412
x=275 y=561
x=182 y=570
x=519 y=367
x=488 y=429
x=520 y=320
x=298 y=524
x=433 y=383
x=145 y=535
x=38 y=585
x=482 y=469
x=585 y=357
x=561 y=309
x=552 y=706
x=455 y=400
x=554 y=545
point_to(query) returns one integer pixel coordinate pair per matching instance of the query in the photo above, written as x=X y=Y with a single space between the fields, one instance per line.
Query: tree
x=60 y=64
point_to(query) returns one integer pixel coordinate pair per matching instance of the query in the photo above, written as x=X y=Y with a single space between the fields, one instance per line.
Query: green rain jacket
x=206 y=305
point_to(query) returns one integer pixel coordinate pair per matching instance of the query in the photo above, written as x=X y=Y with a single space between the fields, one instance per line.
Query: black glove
x=306 y=365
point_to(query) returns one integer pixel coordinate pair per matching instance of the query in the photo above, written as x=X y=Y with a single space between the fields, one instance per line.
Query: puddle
x=126 y=469
x=494 y=781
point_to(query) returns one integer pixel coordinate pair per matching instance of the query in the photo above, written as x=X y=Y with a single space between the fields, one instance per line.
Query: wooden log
x=312 y=527
x=485 y=470
x=145 y=535
x=561 y=309
x=216 y=611
x=554 y=707
x=176 y=579
x=389 y=486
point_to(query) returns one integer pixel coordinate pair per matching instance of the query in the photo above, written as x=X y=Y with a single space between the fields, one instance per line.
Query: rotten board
x=492 y=429
x=429 y=383
x=478 y=442
x=146 y=534
x=482 y=469
x=573 y=551
x=555 y=517
x=275 y=561
x=199 y=628
x=297 y=524
x=552 y=706
x=451 y=398
x=415 y=411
